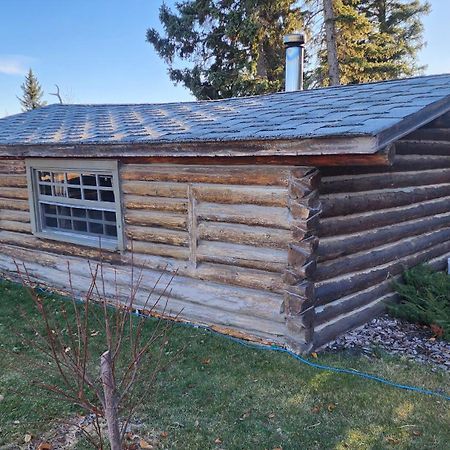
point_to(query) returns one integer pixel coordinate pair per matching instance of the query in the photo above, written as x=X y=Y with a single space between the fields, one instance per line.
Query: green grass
x=249 y=399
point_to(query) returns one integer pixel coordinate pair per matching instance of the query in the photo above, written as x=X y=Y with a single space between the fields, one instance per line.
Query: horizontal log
x=244 y=234
x=266 y=176
x=272 y=260
x=11 y=192
x=273 y=217
x=155 y=203
x=14 y=215
x=12 y=167
x=352 y=223
x=349 y=203
x=376 y=181
x=154 y=189
x=424 y=162
x=13 y=204
x=330 y=290
x=158 y=235
x=382 y=254
x=441 y=122
x=150 y=248
x=11 y=225
x=13 y=181
x=331 y=248
x=156 y=218
x=430 y=147
x=427 y=134
x=264 y=195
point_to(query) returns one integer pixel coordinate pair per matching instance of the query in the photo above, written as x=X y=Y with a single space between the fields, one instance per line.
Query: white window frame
x=103 y=167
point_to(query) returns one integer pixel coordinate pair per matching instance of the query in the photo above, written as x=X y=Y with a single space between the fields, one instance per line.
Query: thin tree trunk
x=330 y=37
x=109 y=390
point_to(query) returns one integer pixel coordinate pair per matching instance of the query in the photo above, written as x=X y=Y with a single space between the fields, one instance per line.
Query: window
x=76 y=201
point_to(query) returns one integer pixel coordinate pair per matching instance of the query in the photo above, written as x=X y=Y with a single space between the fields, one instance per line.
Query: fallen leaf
x=218 y=441
x=94 y=333
x=314 y=355
x=245 y=415
x=416 y=433
x=437 y=330
x=278 y=448
x=392 y=440
x=44 y=446
x=206 y=361
x=145 y=444
x=331 y=407
x=164 y=434
x=316 y=409
x=27 y=438
x=271 y=416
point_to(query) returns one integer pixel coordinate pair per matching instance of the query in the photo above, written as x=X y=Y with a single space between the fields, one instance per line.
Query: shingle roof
x=344 y=111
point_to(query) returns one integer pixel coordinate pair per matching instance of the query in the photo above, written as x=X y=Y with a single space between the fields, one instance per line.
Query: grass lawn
x=219 y=394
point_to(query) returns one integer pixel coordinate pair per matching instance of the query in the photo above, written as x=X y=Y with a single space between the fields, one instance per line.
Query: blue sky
x=95 y=50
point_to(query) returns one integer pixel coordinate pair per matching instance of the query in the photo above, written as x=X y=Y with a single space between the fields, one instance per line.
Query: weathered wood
x=348 y=203
x=334 y=247
x=264 y=195
x=424 y=162
x=272 y=260
x=16 y=193
x=274 y=217
x=371 y=182
x=154 y=189
x=11 y=225
x=428 y=134
x=13 y=181
x=359 y=222
x=376 y=256
x=335 y=288
x=431 y=147
x=155 y=203
x=244 y=234
x=192 y=226
x=158 y=235
x=148 y=248
x=15 y=215
x=169 y=220
x=12 y=167
x=13 y=204
x=241 y=175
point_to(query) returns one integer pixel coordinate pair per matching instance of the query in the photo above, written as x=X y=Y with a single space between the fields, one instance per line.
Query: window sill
x=104 y=244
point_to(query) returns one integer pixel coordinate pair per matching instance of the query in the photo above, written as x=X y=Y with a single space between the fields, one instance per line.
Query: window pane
x=90 y=194
x=105 y=180
x=45 y=189
x=79 y=225
x=44 y=176
x=107 y=196
x=89 y=180
x=94 y=214
x=65 y=224
x=51 y=222
x=64 y=211
x=58 y=177
x=111 y=230
x=95 y=228
x=110 y=216
x=73 y=178
x=78 y=212
x=74 y=193
x=49 y=209
x=59 y=190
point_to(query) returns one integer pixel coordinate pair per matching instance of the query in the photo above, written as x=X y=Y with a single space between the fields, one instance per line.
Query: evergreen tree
x=32 y=93
x=232 y=47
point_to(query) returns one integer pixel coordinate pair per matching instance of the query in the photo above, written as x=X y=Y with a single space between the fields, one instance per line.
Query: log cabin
x=285 y=216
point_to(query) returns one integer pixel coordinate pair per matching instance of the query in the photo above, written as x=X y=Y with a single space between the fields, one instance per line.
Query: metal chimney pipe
x=295 y=51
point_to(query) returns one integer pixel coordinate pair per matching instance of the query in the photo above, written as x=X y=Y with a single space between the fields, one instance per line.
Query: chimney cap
x=295 y=39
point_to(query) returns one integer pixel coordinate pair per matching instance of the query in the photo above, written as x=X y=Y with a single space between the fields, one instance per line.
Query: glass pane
x=79 y=225
x=107 y=196
x=45 y=189
x=78 y=212
x=58 y=177
x=44 y=176
x=110 y=216
x=95 y=228
x=51 y=222
x=89 y=180
x=90 y=194
x=59 y=190
x=49 y=209
x=73 y=178
x=94 y=214
x=64 y=211
x=105 y=180
x=74 y=192
x=66 y=224
x=111 y=230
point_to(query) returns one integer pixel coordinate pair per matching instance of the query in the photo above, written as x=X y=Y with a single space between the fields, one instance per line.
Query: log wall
x=375 y=223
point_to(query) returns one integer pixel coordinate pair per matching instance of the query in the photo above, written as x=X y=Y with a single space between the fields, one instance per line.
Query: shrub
x=424 y=299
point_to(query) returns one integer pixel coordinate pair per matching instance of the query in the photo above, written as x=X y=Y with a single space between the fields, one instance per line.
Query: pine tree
x=32 y=93
x=232 y=47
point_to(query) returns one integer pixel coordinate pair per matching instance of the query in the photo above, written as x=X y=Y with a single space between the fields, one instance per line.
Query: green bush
x=425 y=299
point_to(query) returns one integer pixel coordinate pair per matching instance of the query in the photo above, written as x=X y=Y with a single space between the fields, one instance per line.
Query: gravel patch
x=396 y=337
